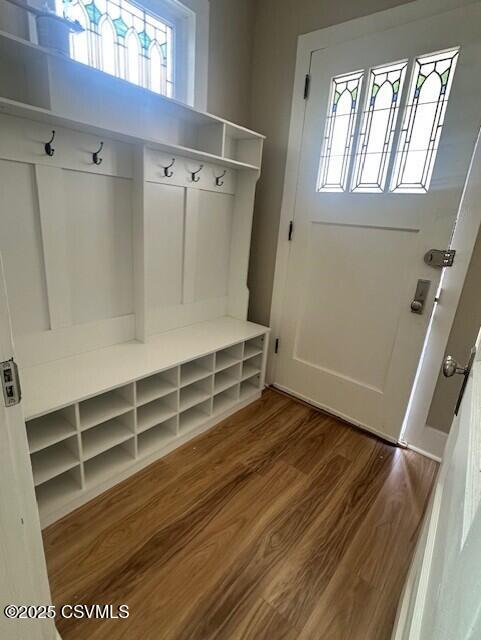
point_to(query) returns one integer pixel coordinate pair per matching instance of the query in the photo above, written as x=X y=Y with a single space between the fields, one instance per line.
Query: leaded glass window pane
x=339 y=131
x=423 y=121
x=123 y=40
x=378 y=127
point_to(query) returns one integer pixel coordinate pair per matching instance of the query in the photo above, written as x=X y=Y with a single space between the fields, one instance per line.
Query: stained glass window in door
x=423 y=121
x=378 y=127
x=124 y=40
x=339 y=131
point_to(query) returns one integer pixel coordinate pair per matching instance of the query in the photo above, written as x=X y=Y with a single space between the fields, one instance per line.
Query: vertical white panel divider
x=177 y=424
x=240 y=247
x=212 y=382
x=138 y=234
x=190 y=244
x=53 y=208
x=80 y=445
x=134 y=404
x=224 y=141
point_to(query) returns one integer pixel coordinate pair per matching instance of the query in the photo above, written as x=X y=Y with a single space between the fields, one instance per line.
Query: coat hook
x=167 y=173
x=49 y=150
x=218 y=179
x=95 y=155
x=195 y=177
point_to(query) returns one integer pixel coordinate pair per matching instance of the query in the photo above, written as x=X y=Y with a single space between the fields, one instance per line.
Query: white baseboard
x=429 y=442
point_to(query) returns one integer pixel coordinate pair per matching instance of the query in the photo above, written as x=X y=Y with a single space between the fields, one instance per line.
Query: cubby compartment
x=251 y=367
x=54 y=460
x=227 y=378
x=194 y=417
x=157 y=386
x=196 y=370
x=228 y=357
x=208 y=138
x=24 y=73
x=109 y=463
x=242 y=145
x=226 y=399
x=195 y=393
x=55 y=492
x=106 y=406
x=49 y=429
x=254 y=347
x=152 y=413
x=107 y=435
x=249 y=387
x=157 y=437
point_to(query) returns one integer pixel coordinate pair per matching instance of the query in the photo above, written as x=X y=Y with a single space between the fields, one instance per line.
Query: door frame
x=307 y=44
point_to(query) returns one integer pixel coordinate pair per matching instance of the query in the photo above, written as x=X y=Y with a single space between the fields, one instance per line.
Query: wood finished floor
x=280 y=523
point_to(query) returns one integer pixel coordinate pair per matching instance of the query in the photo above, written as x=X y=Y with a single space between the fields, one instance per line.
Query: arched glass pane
x=378 y=127
x=132 y=48
x=423 y=121
x=107 y=45
x=79 y=45
x=155 y=68
x=339 y=131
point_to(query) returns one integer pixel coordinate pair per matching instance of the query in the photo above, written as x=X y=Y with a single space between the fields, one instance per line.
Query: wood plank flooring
x=281 y=523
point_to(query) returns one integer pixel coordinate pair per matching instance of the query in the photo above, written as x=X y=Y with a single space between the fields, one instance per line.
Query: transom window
x=123 y=40
x=419 y=134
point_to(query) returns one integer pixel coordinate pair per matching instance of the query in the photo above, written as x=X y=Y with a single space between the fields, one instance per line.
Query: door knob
x=451 y=367
x=416 y=306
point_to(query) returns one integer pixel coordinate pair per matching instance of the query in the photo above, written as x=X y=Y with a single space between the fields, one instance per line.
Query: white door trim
x=308 y=43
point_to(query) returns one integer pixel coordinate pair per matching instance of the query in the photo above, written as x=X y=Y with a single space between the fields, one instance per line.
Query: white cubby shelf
x=94 y=419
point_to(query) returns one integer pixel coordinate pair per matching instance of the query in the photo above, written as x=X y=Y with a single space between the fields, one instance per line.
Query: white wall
x=230 y=58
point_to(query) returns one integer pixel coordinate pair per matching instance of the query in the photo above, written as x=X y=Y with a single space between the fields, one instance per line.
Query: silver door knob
x=416 y=306
x=451 y=367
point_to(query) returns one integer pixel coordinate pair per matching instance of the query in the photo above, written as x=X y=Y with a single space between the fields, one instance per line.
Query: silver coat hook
x=49 y=150
x=218 y=179
x=194 y=176
x=95 y=156
x=167 y=173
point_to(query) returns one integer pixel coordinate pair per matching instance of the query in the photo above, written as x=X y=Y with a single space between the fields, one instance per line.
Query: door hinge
x=12 y=392
x=307 y=86
x=291 y=229
x=440 y=257
x=276 y=345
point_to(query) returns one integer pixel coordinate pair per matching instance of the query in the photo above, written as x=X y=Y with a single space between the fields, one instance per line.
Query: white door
x=23 y=574
x=441 y=599
x=389 y=131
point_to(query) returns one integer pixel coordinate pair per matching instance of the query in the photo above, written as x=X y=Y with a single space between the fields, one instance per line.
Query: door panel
x=350 y=342
x=372 y=307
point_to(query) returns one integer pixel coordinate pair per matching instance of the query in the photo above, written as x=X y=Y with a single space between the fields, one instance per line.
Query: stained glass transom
x=124 y=40
x=423 y=121
x=378 y=127
x=339 y=131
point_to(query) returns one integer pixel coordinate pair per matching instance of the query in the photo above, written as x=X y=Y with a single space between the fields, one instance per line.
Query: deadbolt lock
x=420 y=296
